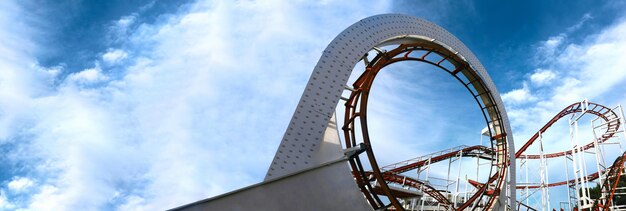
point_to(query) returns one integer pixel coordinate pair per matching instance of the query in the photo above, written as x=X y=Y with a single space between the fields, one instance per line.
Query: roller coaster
x=328 y=163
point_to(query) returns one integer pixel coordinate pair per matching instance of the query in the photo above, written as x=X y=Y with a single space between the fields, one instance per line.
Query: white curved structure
x=310 y=143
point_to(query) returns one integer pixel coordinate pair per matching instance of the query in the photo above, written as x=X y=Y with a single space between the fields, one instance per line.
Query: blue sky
x=146 y=105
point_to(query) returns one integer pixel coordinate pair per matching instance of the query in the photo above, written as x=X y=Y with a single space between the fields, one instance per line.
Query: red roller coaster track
x=393 y=172
x=601 y=111
x=613 y=175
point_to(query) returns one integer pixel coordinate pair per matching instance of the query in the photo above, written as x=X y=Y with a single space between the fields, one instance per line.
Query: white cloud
x=19 y=184
x=46 y=199
x=126 y=21
x=554 y=42
x=114 y=55
x=542 y=77
x=152 y=134
x=547 y=50
x=118 y=30
x=549 y=47
x=87 y=76
x=592 y=69
x=518 y=96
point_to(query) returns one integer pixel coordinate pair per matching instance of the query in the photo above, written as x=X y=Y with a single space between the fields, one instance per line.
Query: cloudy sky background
x=151 y=105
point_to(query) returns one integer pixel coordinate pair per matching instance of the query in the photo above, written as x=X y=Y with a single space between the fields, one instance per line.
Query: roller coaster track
x=609 y=116
x=464 y=151
x=356 y=118
x=610 y=184
x=588 y=178
x=393 y=172
x=414 y=183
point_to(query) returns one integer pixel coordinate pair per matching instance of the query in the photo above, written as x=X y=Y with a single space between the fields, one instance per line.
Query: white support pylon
x=584 y=200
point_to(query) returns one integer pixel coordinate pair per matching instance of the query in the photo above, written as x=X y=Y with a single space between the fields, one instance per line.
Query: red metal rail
x=610 y=184
x=465 y=151
x=417 y=184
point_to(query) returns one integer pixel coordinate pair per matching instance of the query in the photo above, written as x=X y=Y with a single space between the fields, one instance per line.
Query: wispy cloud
x=19 y=184
x=113 y=56
x=586 y=17
x=87 y=76
x=542 y=77
x=519 y=96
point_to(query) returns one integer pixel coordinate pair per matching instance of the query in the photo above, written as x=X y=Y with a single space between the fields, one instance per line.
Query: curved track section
x=405 y=181
x=392 y=172
x=601 y=111
x=608 y=115
x=408 y=181
x=418 y=49
x=478 y=151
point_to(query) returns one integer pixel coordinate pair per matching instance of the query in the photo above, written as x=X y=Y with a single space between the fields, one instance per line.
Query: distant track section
x=464 y=151
x=393 y=172
x=601 y=111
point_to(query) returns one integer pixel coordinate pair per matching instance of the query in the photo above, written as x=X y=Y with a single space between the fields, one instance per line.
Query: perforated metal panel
x=300 y=146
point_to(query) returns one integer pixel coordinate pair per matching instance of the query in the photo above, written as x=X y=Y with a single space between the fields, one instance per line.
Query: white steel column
x=545 y=193
x=567 y=186
x=578 y=159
